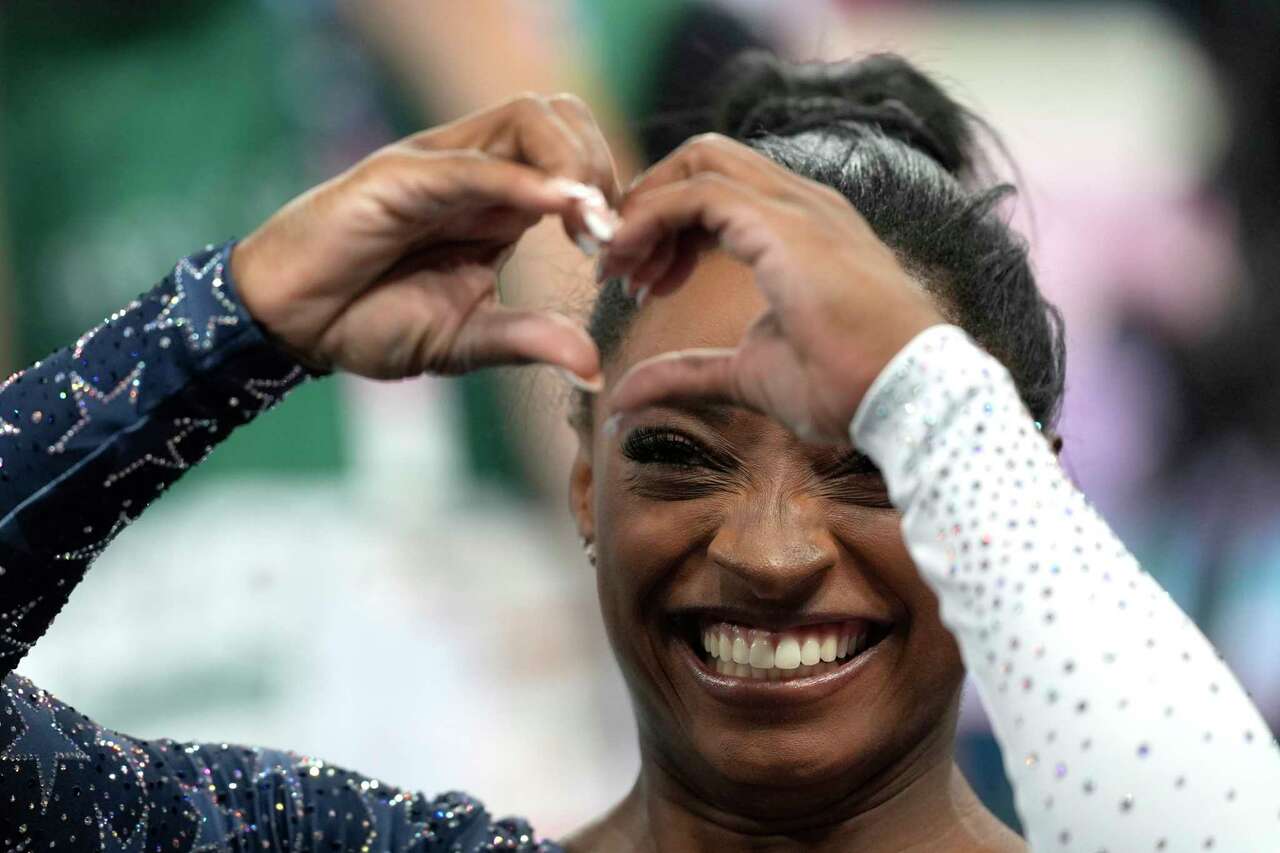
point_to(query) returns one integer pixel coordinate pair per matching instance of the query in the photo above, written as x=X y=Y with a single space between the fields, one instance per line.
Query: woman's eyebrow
x=718 y=415
x=844 y=462
x=828 y=463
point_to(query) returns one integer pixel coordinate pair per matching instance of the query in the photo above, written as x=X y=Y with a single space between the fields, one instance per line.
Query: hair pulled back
x=905 y=155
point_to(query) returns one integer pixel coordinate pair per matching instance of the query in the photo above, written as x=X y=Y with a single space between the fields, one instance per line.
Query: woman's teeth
x=779 y=655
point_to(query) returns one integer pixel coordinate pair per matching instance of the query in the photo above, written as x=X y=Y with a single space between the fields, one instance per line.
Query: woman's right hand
x=840 y=304
x=390 y=269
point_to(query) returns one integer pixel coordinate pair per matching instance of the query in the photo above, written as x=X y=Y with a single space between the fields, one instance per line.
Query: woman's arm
x=1121 y=728
x=91 y=435
x=66 y=783
x=88 y=438
x=388 y=270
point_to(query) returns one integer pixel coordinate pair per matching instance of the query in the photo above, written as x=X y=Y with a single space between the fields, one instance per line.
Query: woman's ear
x=581 y=486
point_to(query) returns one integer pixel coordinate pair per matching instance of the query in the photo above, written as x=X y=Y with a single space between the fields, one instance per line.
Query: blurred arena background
x=304 y=588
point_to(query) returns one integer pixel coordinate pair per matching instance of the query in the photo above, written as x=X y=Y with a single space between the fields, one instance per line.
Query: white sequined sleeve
x=1120 y=727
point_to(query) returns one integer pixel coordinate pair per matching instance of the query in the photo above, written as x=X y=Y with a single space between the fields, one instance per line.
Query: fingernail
x=597 y=222
x=590 y=386
x=642 y=294
x=588 y=246
x=601 y=262
x=626 y=287
x=610 y=427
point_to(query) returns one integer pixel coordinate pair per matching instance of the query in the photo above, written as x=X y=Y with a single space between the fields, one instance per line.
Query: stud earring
x=589 y=548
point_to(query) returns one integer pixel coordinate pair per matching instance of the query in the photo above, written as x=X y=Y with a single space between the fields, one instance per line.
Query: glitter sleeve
x=88 y=438
x=1120 y=727
x=66 y=783
x=95 y=432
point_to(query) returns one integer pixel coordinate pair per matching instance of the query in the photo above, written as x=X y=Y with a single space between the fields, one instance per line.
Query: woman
x=776 y=599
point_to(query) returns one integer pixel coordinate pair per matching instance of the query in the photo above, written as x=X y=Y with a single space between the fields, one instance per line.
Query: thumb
x=497 y=335
x=706 y=374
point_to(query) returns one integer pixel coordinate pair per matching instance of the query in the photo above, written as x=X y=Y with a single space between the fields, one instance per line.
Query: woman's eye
x=855 y=479
x=867 y=490
x=664 y=447
x=672 y=466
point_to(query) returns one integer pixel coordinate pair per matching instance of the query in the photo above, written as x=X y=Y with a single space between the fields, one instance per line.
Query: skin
x=390 y=269
x=759 y=354
x=867 y=768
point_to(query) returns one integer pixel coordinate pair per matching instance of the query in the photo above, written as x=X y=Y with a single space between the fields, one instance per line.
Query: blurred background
x=385 y=575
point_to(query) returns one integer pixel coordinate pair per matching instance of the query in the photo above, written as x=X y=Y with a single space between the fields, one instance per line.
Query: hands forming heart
x=390 y=269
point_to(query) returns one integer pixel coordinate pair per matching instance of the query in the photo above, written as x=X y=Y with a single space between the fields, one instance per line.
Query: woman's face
x=715 y=527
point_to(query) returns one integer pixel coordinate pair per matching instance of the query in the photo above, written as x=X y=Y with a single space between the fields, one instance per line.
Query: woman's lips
x=759 y=653
x=789 y=680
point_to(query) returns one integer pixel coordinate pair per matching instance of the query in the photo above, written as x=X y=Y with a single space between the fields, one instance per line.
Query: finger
x=653 y=267
x=556 y=134
x=535 y=133
x=595 y=222
x=669 y=265
x=711 y=152
x=676 y=377
x=496 y=335
x=578 y=117
x=421 y=185
x=690 y=246
x=524 y=129
x=733 y=214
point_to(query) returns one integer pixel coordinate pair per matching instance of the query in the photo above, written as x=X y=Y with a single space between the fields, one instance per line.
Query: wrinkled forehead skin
x=713 y=308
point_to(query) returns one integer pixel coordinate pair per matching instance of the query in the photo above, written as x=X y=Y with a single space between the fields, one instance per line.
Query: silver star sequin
x=10 y=622
x=268 y=391
x=92 y=401
x=41 y=741
x=185 y=276
x=7 y=429
x=112 y=842
x=211 y=828
x=274 y=770
x=77 y=352
x=172 y=459
x=418 y=836
x=92 y=551
x=126 y=757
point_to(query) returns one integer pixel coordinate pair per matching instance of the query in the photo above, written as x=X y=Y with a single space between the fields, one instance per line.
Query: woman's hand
x=840 y=304
x=390 y=269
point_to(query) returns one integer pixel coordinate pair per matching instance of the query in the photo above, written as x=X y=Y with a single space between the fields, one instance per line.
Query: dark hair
x=905 y=156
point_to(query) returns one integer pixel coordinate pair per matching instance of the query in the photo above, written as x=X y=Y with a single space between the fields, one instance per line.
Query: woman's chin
x=782 y=760
x=824 y=727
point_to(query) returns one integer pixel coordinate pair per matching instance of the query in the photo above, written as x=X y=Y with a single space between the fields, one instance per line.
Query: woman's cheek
x=653 y=544
x=874 y=537
x=649 y=553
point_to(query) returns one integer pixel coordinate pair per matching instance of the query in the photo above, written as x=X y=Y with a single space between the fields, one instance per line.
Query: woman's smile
x=742 y=661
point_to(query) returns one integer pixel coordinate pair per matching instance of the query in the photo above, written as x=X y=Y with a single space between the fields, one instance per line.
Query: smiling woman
x=820 y=487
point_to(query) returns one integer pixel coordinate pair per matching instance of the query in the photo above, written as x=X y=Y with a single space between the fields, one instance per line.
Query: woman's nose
x=778 y=548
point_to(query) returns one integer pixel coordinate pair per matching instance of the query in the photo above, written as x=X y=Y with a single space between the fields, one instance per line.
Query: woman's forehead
x=713 y=308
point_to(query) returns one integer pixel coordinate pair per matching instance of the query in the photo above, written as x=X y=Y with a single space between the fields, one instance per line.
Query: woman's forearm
x=92 y=434
x=1120 y=727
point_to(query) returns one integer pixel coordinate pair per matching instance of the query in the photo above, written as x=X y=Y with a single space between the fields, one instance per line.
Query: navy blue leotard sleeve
x=89 y=437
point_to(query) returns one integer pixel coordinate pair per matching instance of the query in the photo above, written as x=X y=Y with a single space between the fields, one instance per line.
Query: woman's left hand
x=840 y=304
